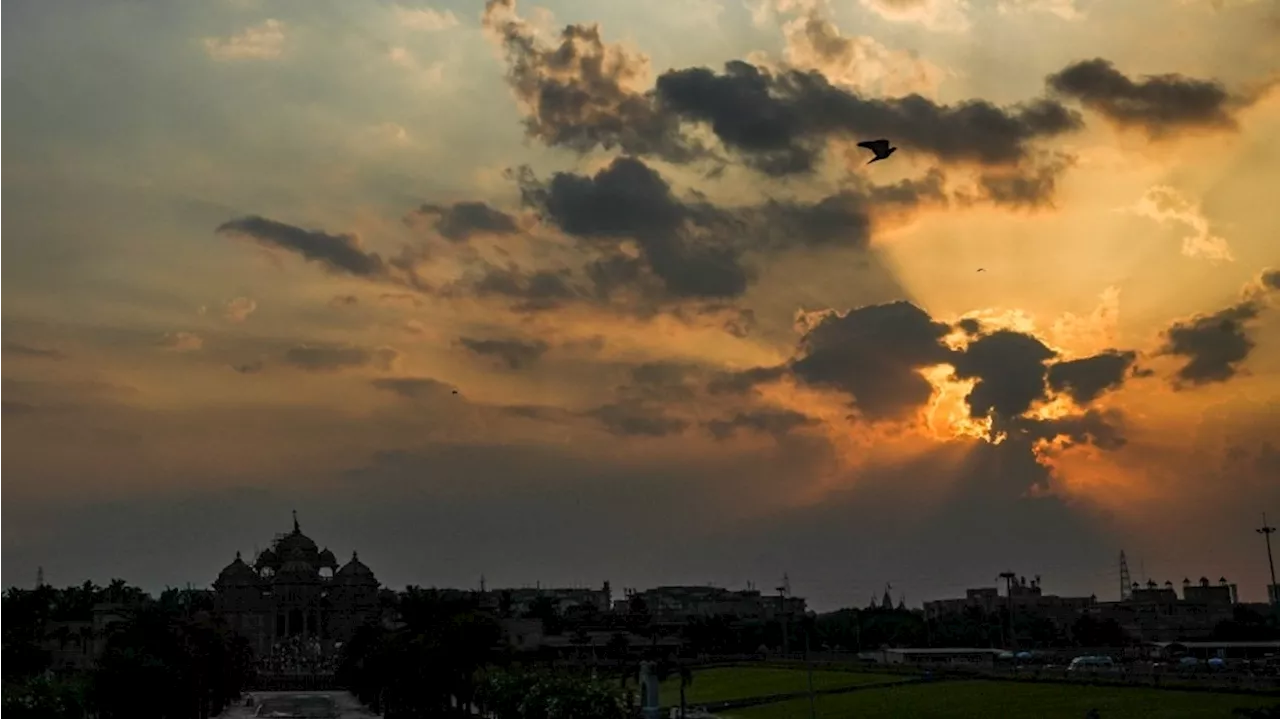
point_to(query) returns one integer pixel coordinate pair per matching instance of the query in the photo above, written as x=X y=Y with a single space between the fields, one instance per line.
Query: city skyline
x=552 y=291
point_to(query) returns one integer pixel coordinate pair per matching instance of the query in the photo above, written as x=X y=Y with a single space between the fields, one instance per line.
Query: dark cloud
x=874 y=354
x=781 y=121
x=743 y=381
x=846 y=218
x=25 y=350
x=1010 y=371
x=662 y=381
x=629 y=418
x=1270 y=279
x=1029 y=186
x=1087 y=378
x=413 y=387
x=1158 y=104
x=532 y=291
x=584 y=94
x=1102 y=429
x=629 y=200
x=333 y=358
x=581 y=94
x=515 y=354
x=337 y=253
x=1213 y=345
x=459 y=221
x=776 y=422
x=691 y=249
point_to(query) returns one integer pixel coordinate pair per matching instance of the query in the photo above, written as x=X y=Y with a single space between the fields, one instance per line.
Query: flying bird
x=982 y=269
x=880 y=147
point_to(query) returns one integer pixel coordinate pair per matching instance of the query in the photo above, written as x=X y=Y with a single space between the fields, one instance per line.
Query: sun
x=947 y=416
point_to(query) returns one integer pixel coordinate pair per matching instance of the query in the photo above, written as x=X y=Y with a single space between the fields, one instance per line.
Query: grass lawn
x=966 y=699
x=725 y=683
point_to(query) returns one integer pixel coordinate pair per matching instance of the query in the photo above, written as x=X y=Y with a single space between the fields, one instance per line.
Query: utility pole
x=1266 y=531
x=1008 y=578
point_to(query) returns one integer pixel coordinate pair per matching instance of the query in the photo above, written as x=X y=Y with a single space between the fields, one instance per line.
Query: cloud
x=182 y=341
x=1010 y=370
x=1087 y=378
x=652 y=247
x=859 y=62
x=515 y=354
x=582 y=93
x=260 y=42
x=334 y=358
x=461 y=220
x=774 y=422
x=781 y=121
x=1158 y=105
x=585 y=94
x=413 y=387
x=635 y=419
x=1213 y=345
x=628 y=199
x=1064 y=9
x=340 y=254
x=951 y=16
x=239 y=309
x=1024 y=187
x=874 y=355
x=425 y=19
x=532 y=291
x=1166 y=205
x=25 y=350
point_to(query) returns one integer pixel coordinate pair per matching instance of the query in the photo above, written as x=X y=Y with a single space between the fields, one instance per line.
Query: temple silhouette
x=296 y=596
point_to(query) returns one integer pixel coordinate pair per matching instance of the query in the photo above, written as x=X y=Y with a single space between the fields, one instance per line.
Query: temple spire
x=296 y=528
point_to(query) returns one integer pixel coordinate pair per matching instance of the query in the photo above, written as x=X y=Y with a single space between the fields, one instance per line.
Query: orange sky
x=254 y=247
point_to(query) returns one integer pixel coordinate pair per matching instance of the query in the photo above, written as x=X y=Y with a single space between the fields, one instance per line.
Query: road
x=348 y=707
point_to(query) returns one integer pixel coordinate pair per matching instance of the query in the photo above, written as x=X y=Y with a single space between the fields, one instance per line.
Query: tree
x=686 y=680
x=422 y=666
x=546 y=695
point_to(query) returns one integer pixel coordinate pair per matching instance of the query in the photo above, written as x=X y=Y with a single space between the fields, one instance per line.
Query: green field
x=727 y=683
x=974 y=699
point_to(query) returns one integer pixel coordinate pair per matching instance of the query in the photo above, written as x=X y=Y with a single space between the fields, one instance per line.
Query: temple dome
x=237 y=574
x=267 y=559
x=327 y=560
x=355 y=572
x=297 y=567
x=297 y=541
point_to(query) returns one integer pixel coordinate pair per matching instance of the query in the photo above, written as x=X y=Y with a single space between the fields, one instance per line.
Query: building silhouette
x=295 y=591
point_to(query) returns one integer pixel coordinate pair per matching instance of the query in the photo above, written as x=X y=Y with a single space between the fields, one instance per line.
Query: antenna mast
x=1125 y=580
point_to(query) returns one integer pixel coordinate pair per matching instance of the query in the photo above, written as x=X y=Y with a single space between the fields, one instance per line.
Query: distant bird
x=880 y=147
x=455 y=391
x=982 y=269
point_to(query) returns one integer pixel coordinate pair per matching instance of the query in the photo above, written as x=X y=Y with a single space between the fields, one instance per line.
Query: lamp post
x=1273 y=591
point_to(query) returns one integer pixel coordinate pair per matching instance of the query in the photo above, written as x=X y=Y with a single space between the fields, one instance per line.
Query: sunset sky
x=254 y=247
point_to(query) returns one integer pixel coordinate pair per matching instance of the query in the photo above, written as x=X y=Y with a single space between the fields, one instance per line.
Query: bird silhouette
x=982 y=269
x=881 y=148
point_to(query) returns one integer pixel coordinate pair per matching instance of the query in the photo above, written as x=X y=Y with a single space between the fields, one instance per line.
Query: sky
x=568 y=292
